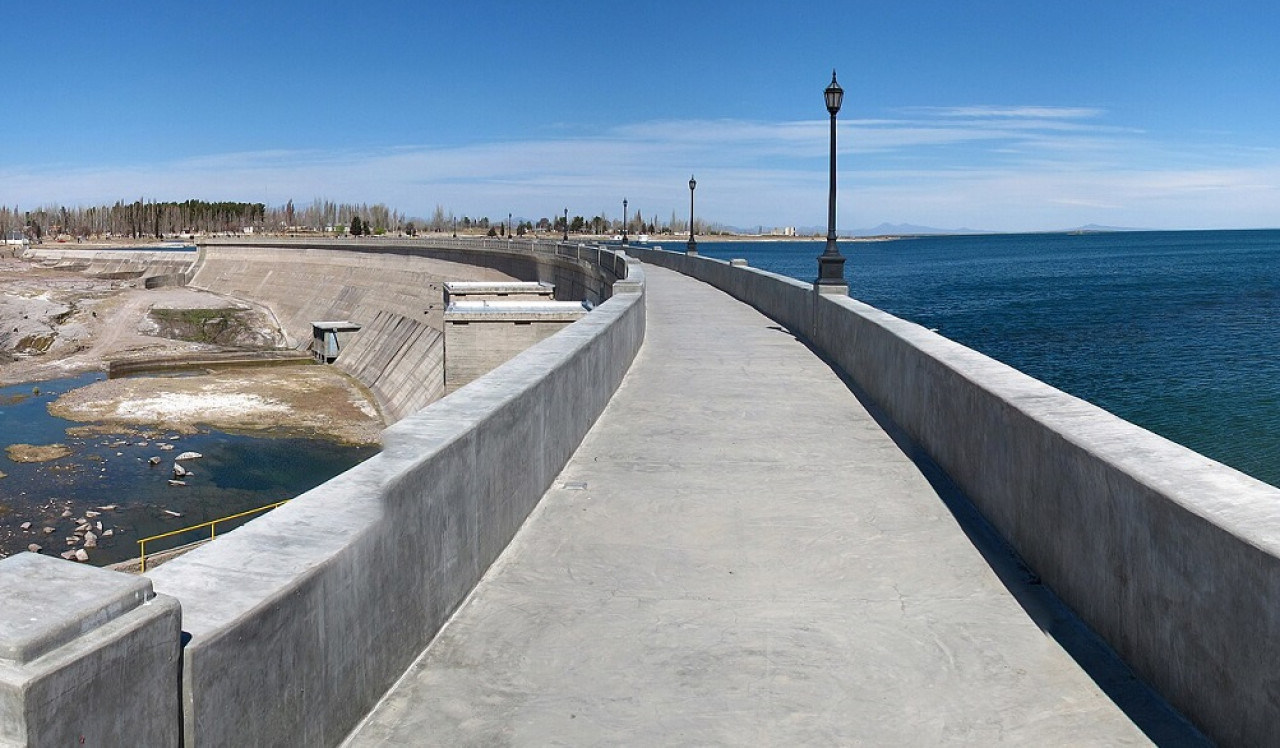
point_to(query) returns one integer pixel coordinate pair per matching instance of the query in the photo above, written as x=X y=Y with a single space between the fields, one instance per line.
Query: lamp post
x=566 y=224
x=624 y=221
x=508 y=226
x=831 y=263
x=693 y=243
x=455 y=227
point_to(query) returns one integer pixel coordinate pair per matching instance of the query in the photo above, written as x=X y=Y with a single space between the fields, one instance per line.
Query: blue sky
x=1008 y=116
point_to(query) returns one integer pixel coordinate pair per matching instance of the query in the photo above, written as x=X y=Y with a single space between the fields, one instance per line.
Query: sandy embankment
x=278 y=401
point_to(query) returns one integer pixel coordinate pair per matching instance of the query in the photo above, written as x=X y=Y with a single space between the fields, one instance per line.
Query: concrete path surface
x=739 y=554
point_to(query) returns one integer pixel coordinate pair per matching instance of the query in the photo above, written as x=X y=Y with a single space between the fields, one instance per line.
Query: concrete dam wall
x=393 y=289
x=295 y=624
x=1172 y=558
x=153 y=267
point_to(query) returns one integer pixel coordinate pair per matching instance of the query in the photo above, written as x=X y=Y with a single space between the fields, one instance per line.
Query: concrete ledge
x=87 y=656
x=300 y=620
x=1172 y=558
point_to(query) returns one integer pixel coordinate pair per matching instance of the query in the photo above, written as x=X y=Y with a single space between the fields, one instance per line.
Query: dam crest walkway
x=742 y=553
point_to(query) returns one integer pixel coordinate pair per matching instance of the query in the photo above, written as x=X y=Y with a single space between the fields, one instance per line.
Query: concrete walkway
x=738 y=554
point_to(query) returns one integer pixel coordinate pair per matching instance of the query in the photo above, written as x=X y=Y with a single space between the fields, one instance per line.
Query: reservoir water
x=1178 y=332
x=111 y=474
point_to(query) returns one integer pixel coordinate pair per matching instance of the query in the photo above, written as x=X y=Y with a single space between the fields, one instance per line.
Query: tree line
x=159 y=219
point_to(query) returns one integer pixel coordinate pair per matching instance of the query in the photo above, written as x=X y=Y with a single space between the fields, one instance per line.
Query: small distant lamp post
x=455 y=228
x=508 y=225
x=566 y=224
x=624 y=221
x=693 y=243
x=831 y=263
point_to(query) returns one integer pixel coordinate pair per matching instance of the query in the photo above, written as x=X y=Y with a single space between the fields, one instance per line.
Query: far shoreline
x=150 y=242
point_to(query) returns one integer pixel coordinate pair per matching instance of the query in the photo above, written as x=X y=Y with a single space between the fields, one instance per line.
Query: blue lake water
x=1175 y=331
x=237 y=472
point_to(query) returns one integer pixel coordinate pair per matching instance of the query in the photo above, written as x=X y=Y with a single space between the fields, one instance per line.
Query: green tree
x=357 y=226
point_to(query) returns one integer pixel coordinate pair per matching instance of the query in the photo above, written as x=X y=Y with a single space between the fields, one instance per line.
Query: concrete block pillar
x=87 y=656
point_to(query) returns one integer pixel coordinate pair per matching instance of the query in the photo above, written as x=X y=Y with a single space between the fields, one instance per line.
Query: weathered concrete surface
x=87 y=656
x=394 y=289
x=124 y=264
x=1172 y=558
x=738 y=554
x=301 y=619
x=481 y=334
x=398 y=299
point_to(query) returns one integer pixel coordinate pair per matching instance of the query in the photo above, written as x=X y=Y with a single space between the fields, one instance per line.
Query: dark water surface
x=1174 y=331
x=236 y=473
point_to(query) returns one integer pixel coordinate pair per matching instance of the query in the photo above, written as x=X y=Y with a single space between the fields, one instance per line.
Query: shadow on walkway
x=1152 y=714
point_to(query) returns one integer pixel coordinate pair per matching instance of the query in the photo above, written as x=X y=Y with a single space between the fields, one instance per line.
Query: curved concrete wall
x=1173 y=558
x=122 y=264
x=300 y=620
x=394 y=289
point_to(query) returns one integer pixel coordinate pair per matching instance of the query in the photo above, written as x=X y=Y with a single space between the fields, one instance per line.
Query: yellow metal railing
x=211 y=524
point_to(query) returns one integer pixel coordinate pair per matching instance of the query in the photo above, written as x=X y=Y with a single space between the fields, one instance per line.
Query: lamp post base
x=831 y=273
x=691 y=248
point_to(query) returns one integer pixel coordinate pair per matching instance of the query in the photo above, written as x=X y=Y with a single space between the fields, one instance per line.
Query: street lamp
x=624 y=221
x=831 y=263
x=455 y=227
x=508 y=225
x=693 y=243
x=566 y=224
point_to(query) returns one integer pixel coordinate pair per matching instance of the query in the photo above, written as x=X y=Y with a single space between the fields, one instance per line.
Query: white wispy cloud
x=1010 y=112
x=996 y=167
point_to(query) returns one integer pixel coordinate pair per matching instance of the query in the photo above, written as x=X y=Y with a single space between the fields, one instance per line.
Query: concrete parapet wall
x=87 y=656
x=1172 y=558
x=300 y=620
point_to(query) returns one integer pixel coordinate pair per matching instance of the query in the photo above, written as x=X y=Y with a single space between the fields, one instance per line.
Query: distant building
x=15 y=238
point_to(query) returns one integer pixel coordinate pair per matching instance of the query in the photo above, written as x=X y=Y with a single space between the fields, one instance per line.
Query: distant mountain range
x=910 y=229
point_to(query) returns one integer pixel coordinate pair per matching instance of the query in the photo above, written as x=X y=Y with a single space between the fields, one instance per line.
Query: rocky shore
x=57 y=322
